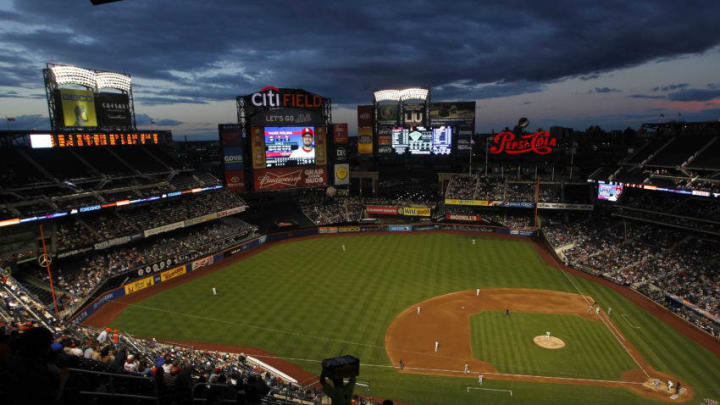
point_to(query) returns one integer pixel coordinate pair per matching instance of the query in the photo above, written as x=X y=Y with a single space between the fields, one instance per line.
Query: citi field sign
x=540 y=143
x=271 y=96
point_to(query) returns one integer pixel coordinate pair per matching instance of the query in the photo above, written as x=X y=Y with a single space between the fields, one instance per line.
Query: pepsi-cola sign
x=540 y=143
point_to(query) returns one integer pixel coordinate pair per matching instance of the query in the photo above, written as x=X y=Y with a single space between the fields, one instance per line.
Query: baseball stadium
x=295 y=258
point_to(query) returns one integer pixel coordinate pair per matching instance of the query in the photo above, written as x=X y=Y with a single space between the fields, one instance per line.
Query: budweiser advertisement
x=289 y=177
x=467 y=218
x=383 y=209
x=340 y=133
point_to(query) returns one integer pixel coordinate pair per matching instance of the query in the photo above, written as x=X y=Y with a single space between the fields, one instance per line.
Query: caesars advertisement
x=78 y=108
x=113 y=110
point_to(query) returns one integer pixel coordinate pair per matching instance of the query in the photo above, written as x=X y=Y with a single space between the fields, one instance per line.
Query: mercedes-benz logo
x=44 y=260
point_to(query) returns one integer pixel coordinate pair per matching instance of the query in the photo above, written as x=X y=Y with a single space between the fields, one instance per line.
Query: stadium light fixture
x=91 y=79
x=414 y=93
x=387 y=95
x=109 y=80
x=73 y=75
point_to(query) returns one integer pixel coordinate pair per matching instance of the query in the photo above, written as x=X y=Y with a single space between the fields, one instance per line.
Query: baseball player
x=547 y=335
x=507 y=311
x=418 y=310
x=480 y=378
x=597 y=310
x=343 y=247
x=437 y=344
x=402 y=365
x=473 y=241
x=656 y=383
x=214 y=291
x=477 y=292
x=670 y=385
x=467 y=368
x=609 y=311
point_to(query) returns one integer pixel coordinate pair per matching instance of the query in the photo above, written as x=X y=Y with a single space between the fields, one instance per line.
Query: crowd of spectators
x=78 y=280
x=87 y=230
x=639 y=254
x=495 y=189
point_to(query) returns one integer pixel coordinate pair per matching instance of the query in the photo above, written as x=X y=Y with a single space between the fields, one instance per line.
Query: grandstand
x=663 y=245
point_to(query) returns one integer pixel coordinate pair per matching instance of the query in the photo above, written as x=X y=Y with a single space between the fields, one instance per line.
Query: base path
x=446 y=320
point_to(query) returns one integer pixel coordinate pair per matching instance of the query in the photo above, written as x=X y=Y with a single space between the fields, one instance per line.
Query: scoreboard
x=90 y=139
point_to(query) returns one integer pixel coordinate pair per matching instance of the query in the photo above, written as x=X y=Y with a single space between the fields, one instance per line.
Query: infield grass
x=591 y=350
x=307 y=300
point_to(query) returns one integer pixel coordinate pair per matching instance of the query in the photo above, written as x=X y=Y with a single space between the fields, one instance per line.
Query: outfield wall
x=150 y=276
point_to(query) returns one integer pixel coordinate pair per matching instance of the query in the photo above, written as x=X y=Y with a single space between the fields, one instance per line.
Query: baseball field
x=310 y=299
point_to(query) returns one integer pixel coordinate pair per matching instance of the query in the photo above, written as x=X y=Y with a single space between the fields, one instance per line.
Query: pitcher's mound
x=553 y=343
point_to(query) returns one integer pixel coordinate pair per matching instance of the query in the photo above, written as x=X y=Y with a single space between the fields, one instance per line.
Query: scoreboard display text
x=80 y=140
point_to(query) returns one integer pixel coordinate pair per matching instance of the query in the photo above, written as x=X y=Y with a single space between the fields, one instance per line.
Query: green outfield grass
x=308 y=300
x=591 y=351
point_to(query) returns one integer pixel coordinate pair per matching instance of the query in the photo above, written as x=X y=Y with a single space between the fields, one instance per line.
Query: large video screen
x=78 y=108
x=442 y=140
x=422 y=141
x=289 y=146
x=609 y=192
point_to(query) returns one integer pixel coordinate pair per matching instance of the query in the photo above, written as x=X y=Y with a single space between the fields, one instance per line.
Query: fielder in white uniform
x=547 y=335
x=418 y=310
x=437 y=344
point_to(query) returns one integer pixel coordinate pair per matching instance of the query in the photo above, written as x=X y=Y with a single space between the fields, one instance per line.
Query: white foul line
x=488 y=389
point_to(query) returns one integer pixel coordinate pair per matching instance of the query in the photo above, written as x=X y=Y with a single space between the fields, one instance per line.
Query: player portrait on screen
x=306 y=152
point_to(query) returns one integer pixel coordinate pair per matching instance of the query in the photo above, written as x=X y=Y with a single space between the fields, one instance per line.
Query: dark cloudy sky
x=572 y=63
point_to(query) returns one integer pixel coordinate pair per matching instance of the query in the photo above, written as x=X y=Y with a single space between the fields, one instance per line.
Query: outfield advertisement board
x=382 y=209
x=174 y=272
x=565 y=206
x=468 y=218
x=138 y=285
x=400 y=228
x=328 y=229
x=415 y=211
x=205 y=261
x=346 y=229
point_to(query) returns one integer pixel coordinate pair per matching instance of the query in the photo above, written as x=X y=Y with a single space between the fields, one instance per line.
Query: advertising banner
x=73 y=252
x=365 y=116
x=289 y=177
x=340 y=133
x=346 y=229
x=388 y=114
x=271 y=99
x=384 y=140
x=341 y=153
x=78 y=108
x=518 y=204
x=565 y=206
x=328 y=229
x=115 y=241
x=136 y=286
x=231 y=142
x=257 y=143
x=231 y=211
x=342 y=174
x=164 y=228
x=383 y=209
x=286 y=116
x=365 y=140
x=464 y=139
x=479 y=203
x=468 y=218
x=105 y=298
x=235 y=180
x=201 y=219
x=113 y=110
x=320 y=146
x=453 y=114
x=174 y=272
x=400 y=228
x=416 y=211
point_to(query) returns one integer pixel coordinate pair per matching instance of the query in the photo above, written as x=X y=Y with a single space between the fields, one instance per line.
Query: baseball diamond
x=364 y=301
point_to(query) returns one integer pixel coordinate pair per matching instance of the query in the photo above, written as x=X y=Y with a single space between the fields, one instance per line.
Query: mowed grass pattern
x=591 y=351
x=308 y=299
